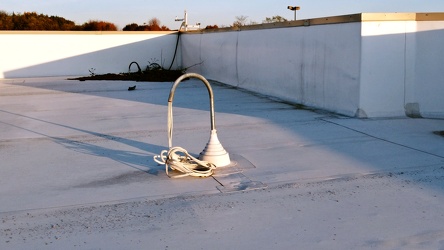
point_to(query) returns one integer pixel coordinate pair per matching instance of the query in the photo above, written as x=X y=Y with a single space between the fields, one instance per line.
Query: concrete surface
x=76 y=171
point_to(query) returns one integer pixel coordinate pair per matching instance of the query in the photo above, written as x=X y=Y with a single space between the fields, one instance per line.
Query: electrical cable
x=177 y=44
x=177 y=158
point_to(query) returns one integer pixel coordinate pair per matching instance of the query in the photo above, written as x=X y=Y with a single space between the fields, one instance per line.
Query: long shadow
x=140 y=161
x=159 y=47
x=240 y=102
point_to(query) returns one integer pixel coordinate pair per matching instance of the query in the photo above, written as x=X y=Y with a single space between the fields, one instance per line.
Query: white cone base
x=214 y=152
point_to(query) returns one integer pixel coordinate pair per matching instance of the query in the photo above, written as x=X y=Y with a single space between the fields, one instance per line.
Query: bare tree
x=240 y=21
x=154 y=22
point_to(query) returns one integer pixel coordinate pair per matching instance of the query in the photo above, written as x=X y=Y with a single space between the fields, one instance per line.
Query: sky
x=206 y=12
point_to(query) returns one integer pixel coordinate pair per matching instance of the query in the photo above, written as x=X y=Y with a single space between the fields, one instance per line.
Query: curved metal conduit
x=213 y=152
x=171 y=97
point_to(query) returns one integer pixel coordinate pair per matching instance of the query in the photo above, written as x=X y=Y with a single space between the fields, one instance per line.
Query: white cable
x=179 y=159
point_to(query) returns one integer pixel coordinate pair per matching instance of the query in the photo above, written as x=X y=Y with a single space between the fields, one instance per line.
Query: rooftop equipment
x=212 y=156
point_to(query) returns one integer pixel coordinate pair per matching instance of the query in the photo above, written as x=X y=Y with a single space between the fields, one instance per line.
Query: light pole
x=184 y=21
x=294 y=8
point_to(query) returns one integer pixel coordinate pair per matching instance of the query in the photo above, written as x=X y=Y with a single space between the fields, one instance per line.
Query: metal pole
x=294 y=8
x=210 y=93
x=213 y=152
x=186 y=20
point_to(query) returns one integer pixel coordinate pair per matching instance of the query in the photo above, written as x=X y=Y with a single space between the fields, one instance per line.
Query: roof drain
x=212 y=156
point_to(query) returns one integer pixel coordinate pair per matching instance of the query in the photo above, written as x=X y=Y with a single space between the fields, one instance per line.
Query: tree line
x=35 y=21
x=152 y=25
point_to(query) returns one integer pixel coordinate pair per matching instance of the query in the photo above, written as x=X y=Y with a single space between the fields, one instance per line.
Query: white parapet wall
x=425 y=73
x=66 y=53
x=362 y=65
x=402 y=65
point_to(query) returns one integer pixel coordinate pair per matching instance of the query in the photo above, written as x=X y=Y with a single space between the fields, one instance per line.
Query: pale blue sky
x=209 y=12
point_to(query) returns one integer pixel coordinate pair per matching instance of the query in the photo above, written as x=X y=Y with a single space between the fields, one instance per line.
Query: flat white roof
x=77 y=172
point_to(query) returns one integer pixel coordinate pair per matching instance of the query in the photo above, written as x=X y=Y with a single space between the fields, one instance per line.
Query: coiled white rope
x=179 y=159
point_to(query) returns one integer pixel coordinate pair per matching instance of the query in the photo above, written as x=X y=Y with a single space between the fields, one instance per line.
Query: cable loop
x=177 y=158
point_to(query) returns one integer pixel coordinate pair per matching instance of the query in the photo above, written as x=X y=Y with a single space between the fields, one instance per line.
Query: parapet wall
x=363 y=65
x=66 y=53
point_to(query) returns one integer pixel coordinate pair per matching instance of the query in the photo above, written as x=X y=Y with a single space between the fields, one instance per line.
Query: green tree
x=98 y=26
x=6 y=21
x=152 y=25
x=274 y=19
x=34 y=21
x=131 y=27
x=211 y=27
